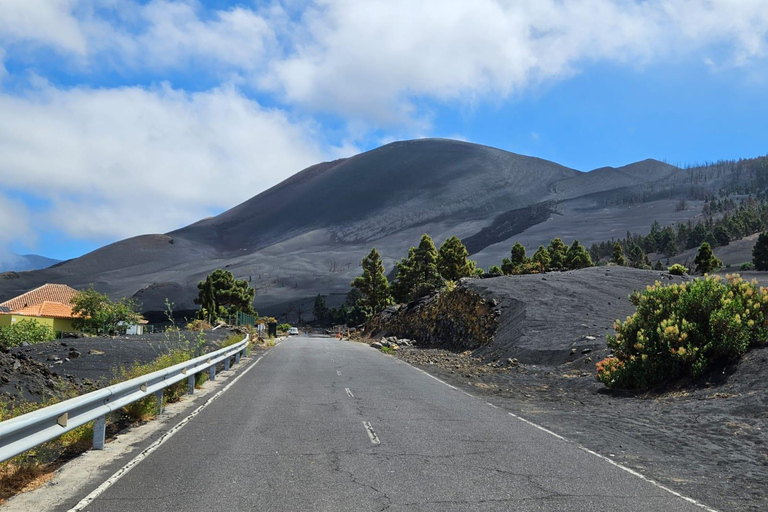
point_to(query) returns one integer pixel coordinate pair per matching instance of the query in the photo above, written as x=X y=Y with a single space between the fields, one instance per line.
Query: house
x=47 y=305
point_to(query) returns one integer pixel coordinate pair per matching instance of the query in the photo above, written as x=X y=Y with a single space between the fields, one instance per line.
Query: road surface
x=326 y=425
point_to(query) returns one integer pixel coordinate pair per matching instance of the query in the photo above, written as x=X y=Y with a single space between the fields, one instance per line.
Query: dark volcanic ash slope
x=543 y=319
x=308 y=234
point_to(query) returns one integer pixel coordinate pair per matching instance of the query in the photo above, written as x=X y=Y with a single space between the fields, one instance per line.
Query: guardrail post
x=99 y=432
x=226 y=363
x=159 y=398
x=237 y=357
x=191 y=384
x=212 y=373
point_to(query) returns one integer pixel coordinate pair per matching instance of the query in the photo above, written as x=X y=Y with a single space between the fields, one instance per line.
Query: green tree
x=557 y=252
x=658 y=266
x=222 y=295
x=705 y=260
x=95 y=313
x=519 y=258
x=721 y=235
x=320 y=309
x=541 y=258
x=373 y=284
x=638 y=258
x=760 y=252
x=453 y=262
x=495 y=271
x=418 y=274
x=618 y=255
x=577 y=257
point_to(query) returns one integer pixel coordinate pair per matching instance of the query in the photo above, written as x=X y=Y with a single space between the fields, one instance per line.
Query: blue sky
x=124 y=117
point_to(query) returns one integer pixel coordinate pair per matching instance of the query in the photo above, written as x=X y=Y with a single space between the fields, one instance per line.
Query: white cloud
x=42 y=22
x=375 y=59
x=119 y=162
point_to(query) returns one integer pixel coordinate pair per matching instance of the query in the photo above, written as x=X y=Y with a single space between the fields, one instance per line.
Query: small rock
x=573 y=351
x=590 y=338
x=66 y=359
x=63 y=344
x=74 y=354
x=16 y=365
x=95 y=352
x=24 y=344
x=58 y=362
x=50 y=383
x=54 y=358
x=377 y=345
x=588 y=360
x=586 y=351
x=512 y=361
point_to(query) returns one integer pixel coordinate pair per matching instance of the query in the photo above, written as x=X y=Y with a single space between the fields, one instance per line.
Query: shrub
x=495 y=271
x=283 y=327
x=199 y=325
x=679 y=330
x=25 y=330
x=677 y=269
x=747 y=266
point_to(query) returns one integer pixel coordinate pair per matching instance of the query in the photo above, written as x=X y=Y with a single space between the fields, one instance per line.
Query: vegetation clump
x=677 y=270
x=706 y=261
x=373 y=285
x=680 y=330
x=28 y=331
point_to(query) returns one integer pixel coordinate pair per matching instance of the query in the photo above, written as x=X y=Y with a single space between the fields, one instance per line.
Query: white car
x=293 y=331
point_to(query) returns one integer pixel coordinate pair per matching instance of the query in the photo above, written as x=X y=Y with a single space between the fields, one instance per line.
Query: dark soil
x=78 y=365
x=706 y=439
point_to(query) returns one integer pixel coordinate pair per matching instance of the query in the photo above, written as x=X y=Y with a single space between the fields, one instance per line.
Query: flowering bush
x=681 y=329
x=677 y=269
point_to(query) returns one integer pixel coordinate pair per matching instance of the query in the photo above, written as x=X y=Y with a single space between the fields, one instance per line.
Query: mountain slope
x=308 y=234
x=22 y=262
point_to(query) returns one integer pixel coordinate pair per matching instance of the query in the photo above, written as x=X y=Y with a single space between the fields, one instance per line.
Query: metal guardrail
x=24 y=432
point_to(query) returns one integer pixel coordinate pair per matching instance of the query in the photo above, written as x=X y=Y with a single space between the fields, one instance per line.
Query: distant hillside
x=22 y=262
x=307 y=235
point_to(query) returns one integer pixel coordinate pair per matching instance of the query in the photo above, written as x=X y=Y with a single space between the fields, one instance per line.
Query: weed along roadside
x=37 y=439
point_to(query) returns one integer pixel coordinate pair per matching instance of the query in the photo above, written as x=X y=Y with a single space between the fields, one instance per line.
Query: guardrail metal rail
x=24 y=432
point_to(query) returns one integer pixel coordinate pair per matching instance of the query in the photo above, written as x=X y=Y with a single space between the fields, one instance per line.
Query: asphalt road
x=292 y=435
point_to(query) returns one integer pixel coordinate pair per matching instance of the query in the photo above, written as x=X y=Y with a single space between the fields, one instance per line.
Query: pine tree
x=618 y=255
x=519 y=258
x=557 y=252
x=495 y=271
x=221 y=294
x=427 y=277
x=760 y=252
x=452 y=260
x=373 y=284
x=637 y=257
x=658 y=266
x=705 y=260
x=577 y=257
x=541 y=258
x=320 y=310
x=417 y=275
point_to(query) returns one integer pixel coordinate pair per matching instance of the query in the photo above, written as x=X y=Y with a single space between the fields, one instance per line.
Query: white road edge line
x=371 y=433
x=628 y=470
x=349 y=393
x=154 y=446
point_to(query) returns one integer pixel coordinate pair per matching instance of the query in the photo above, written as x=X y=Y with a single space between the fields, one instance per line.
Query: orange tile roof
x=60 y=293
x=47 y=309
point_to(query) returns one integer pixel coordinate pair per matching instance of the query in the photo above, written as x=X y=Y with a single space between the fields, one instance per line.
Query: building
x=49 y=305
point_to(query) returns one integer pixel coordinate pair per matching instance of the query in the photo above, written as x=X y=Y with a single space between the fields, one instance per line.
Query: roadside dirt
x=707 y=439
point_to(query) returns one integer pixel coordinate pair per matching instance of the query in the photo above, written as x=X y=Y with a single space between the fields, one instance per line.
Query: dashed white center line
x=349 y=393
x=338 y=373
x=371 y=433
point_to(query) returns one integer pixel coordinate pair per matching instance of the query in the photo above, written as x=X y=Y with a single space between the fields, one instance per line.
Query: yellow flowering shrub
x=679 y=330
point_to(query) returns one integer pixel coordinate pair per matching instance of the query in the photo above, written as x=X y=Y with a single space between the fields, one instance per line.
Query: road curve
x=324 y=425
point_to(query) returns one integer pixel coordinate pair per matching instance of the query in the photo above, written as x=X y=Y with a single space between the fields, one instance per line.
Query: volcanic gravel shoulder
x=35 y=371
